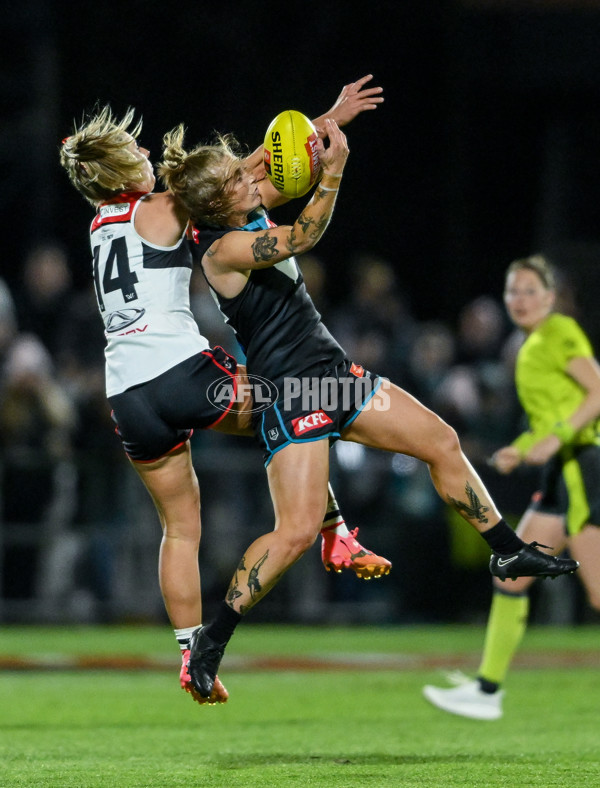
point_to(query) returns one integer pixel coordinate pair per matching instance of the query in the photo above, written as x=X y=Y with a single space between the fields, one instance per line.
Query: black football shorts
x=570 y=487
x=158 y=416
x=317 y=406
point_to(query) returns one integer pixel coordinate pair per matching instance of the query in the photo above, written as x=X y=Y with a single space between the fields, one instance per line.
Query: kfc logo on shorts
x=357 y=370
x=311 y=422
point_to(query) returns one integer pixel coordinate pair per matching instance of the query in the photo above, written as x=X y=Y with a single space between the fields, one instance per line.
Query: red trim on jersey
x=125 y=197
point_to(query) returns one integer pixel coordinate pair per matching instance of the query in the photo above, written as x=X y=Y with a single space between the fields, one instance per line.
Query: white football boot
x=466 y=699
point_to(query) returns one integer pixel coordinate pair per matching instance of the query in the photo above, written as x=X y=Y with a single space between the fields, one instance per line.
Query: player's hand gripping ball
x=290 y=153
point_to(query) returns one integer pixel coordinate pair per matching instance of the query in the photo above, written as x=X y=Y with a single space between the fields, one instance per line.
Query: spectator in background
x=42 y=300
x=81 y=343
x=36 y=413
x=8 y=320
x=374 y=322
x=36 y=425
x=430 y=359
x=476 y=394
x=481 y=330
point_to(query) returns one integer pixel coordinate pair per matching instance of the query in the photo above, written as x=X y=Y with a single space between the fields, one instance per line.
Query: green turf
x=124 y=729
x=252 y=639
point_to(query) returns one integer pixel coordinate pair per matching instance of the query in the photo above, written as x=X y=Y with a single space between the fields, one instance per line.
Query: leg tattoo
x=474 y=510
x=233 y=592
x=253 y=581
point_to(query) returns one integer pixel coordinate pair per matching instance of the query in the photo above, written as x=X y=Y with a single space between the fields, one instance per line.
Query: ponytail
x=200 y=177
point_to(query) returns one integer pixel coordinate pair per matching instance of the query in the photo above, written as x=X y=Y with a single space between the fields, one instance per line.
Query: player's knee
x=304 y=541
x=444 y=440
x=184 y=532
x=299 y=538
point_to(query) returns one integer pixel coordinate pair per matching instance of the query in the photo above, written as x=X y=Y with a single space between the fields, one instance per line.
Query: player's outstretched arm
x=354 y=99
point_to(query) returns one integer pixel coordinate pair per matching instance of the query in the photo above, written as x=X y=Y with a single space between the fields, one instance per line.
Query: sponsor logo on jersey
x=222 y=393
x=313 y=421
x=123 y=318
x=106 y=211
x=357 y=370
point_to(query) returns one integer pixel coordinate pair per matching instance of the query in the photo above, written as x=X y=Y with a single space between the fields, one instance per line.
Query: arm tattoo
x=304 y=222
x=474 y=510
x=291 y=243
x=320 y=226
x=314 y=229
x=264 y=248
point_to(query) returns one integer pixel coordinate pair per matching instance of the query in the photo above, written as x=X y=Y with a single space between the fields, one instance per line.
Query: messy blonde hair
x=96 y=157
x=539 y=265
x=202 y=177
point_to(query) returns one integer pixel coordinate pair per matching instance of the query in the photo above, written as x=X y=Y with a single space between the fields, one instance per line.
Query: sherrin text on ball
x=290 y=153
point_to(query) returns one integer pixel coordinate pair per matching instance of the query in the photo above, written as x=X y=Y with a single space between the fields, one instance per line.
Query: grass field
x=330 y=707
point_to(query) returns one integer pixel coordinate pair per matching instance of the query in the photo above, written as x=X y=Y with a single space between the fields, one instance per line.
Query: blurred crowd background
x=485 y=150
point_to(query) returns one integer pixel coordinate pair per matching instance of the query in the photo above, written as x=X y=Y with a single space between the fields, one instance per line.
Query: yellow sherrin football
x=290 y=153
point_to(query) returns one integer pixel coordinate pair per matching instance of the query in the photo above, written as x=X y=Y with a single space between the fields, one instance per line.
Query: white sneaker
x=466 y=700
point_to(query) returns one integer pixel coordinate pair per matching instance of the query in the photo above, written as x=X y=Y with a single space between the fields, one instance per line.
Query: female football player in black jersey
x=249 y=265
x=158 y=366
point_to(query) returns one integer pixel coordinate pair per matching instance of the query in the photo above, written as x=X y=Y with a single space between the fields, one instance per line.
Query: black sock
x=223 y=626
x=502 y=539
x=489 y=687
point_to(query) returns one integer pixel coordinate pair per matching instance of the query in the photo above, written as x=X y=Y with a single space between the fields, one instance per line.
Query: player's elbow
x=299 y=243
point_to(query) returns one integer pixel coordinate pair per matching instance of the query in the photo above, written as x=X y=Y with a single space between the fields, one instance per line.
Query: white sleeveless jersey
x=143 y=296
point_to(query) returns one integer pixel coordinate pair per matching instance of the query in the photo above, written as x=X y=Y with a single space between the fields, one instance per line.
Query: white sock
x=183 y=636
x=335 y=522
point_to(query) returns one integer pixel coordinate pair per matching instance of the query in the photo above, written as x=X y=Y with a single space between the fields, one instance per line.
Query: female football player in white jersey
x=249 y=265
x=158 y=365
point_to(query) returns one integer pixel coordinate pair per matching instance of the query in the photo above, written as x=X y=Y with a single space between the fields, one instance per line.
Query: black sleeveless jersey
x=274 y=318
